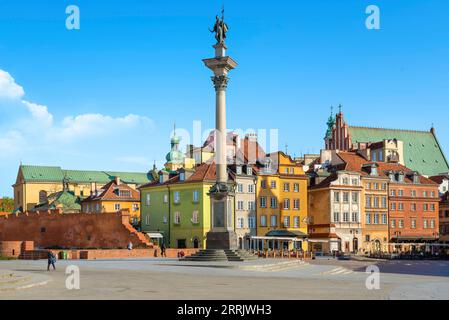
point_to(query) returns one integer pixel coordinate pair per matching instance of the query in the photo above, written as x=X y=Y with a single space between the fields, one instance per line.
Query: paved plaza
x=262 y=279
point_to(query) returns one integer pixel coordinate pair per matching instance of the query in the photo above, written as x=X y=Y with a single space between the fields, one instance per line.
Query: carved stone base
x=224 y=240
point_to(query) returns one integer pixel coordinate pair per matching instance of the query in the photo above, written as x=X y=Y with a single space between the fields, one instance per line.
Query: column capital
x=220 y=82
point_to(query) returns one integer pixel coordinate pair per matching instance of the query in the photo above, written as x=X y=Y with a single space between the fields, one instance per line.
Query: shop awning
x=155 y=235
x=286 y=234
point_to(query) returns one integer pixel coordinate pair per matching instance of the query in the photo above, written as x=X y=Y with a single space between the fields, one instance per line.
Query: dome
x=175 y=156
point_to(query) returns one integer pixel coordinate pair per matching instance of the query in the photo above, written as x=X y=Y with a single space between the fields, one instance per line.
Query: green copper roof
x=422 y=151
x=56 y=174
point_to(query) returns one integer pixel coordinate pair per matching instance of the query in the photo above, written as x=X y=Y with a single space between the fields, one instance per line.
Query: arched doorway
x=377 y=247
x=195 y=243
x=355 y=245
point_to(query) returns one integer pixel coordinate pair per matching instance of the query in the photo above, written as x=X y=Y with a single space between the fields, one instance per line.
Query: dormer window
x=373 y=171
x=401 y=177
x=238 y=170
x=161 y=178
x=249 y=170
x=182 y=176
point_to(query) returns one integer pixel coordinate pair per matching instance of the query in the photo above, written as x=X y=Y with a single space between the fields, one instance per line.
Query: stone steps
x=220 y=255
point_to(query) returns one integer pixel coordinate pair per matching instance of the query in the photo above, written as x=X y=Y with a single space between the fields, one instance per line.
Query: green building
x=178 y=206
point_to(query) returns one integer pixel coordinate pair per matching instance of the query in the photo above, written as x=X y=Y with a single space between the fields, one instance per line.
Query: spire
x=330 y=124
x=339 y=108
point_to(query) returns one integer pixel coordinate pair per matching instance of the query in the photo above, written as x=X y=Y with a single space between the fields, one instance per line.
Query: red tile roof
x=439 y=179
x=109 y=192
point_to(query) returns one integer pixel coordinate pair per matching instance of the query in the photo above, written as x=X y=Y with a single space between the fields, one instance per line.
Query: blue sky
x=106 y=96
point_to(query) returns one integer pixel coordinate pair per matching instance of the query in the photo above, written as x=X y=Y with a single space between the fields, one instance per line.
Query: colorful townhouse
x=444 y=218
x=374 y=202
x=114 y=197
x=178 y=206
x=335 y=207
x=281 y=201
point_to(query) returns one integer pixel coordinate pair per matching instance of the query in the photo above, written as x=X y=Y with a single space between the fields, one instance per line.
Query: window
x=336 y=196
x=239 y=205
x=296 y=187
x=368 y=201
x=124 y=193
x=355 y=217
x=286 y=187
x=336 y=216
x=195 y=196
x=177 y=197
x=251 y=188
x=249 y=170
x=376 y=202
x=384 y=218
x=164 y=220
x=400 y=193
x=177 y=217
x=42 y=196
x=424 y=194
x=286 y=203
x=147 y=219
x=367 y=238
x=292 y=170
x=273 y=220
x=413 y=207
x=432 y=207
x=251 y=205
x=425 y=224
x=251 y=222
x=345 y=216
x=165 y=198
x=401 y=223
x=263 y=184
x=425 y=207
x=413 y=193
x=296 y=222
x=182 y=176
x=148 y=199
x=376 y=218
x=432 y=224
x=368 y=218
x=240 y=223
x=345 y=197
x=263 y=202
x=135 y=207
x=296 y=204
x=273 y=202
x=368 y=185
x=345 y=181
x=432 y=194
x=238 y=170
x=393 y=193
x=286 y=170
x=355 y=197
x=117 y=206
x=413 y=223
x=384 y=186
x=393 y=224
x=263 y=221
x=393 y=206
x=376 y=186
x=400 y=206
x=286 y=222
x=195 y=216
x=355 y=182
x=384 y=202
x=273 y=184
x=240 y=188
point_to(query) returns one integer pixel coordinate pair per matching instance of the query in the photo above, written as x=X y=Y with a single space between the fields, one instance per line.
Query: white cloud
x=9 y=88
x=39 y=113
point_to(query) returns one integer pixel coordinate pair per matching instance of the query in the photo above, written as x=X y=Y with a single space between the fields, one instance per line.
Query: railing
x=282 y=254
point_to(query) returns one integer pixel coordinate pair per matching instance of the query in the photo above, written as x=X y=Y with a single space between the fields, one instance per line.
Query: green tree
x=6 y=204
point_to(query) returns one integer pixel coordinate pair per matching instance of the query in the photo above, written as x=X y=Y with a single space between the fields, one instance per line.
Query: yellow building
x=35 y=183
x=113 y=197
x=281 y=201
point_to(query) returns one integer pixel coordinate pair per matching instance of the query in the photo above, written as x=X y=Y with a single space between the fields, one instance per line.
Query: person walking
x=163 y=254
x=51 y=260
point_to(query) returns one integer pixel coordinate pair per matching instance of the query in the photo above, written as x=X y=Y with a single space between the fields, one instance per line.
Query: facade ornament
x=220 y=82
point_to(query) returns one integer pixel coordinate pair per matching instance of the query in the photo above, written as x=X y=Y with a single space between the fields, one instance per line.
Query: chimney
x=117 y=180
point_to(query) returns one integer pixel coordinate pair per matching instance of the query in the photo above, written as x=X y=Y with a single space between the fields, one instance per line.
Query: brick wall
x=81 y=230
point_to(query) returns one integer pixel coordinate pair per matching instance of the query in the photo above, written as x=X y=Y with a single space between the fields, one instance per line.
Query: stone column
x=222 y=234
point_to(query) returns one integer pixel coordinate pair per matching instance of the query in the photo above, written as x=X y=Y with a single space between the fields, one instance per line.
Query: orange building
x=114 y=197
